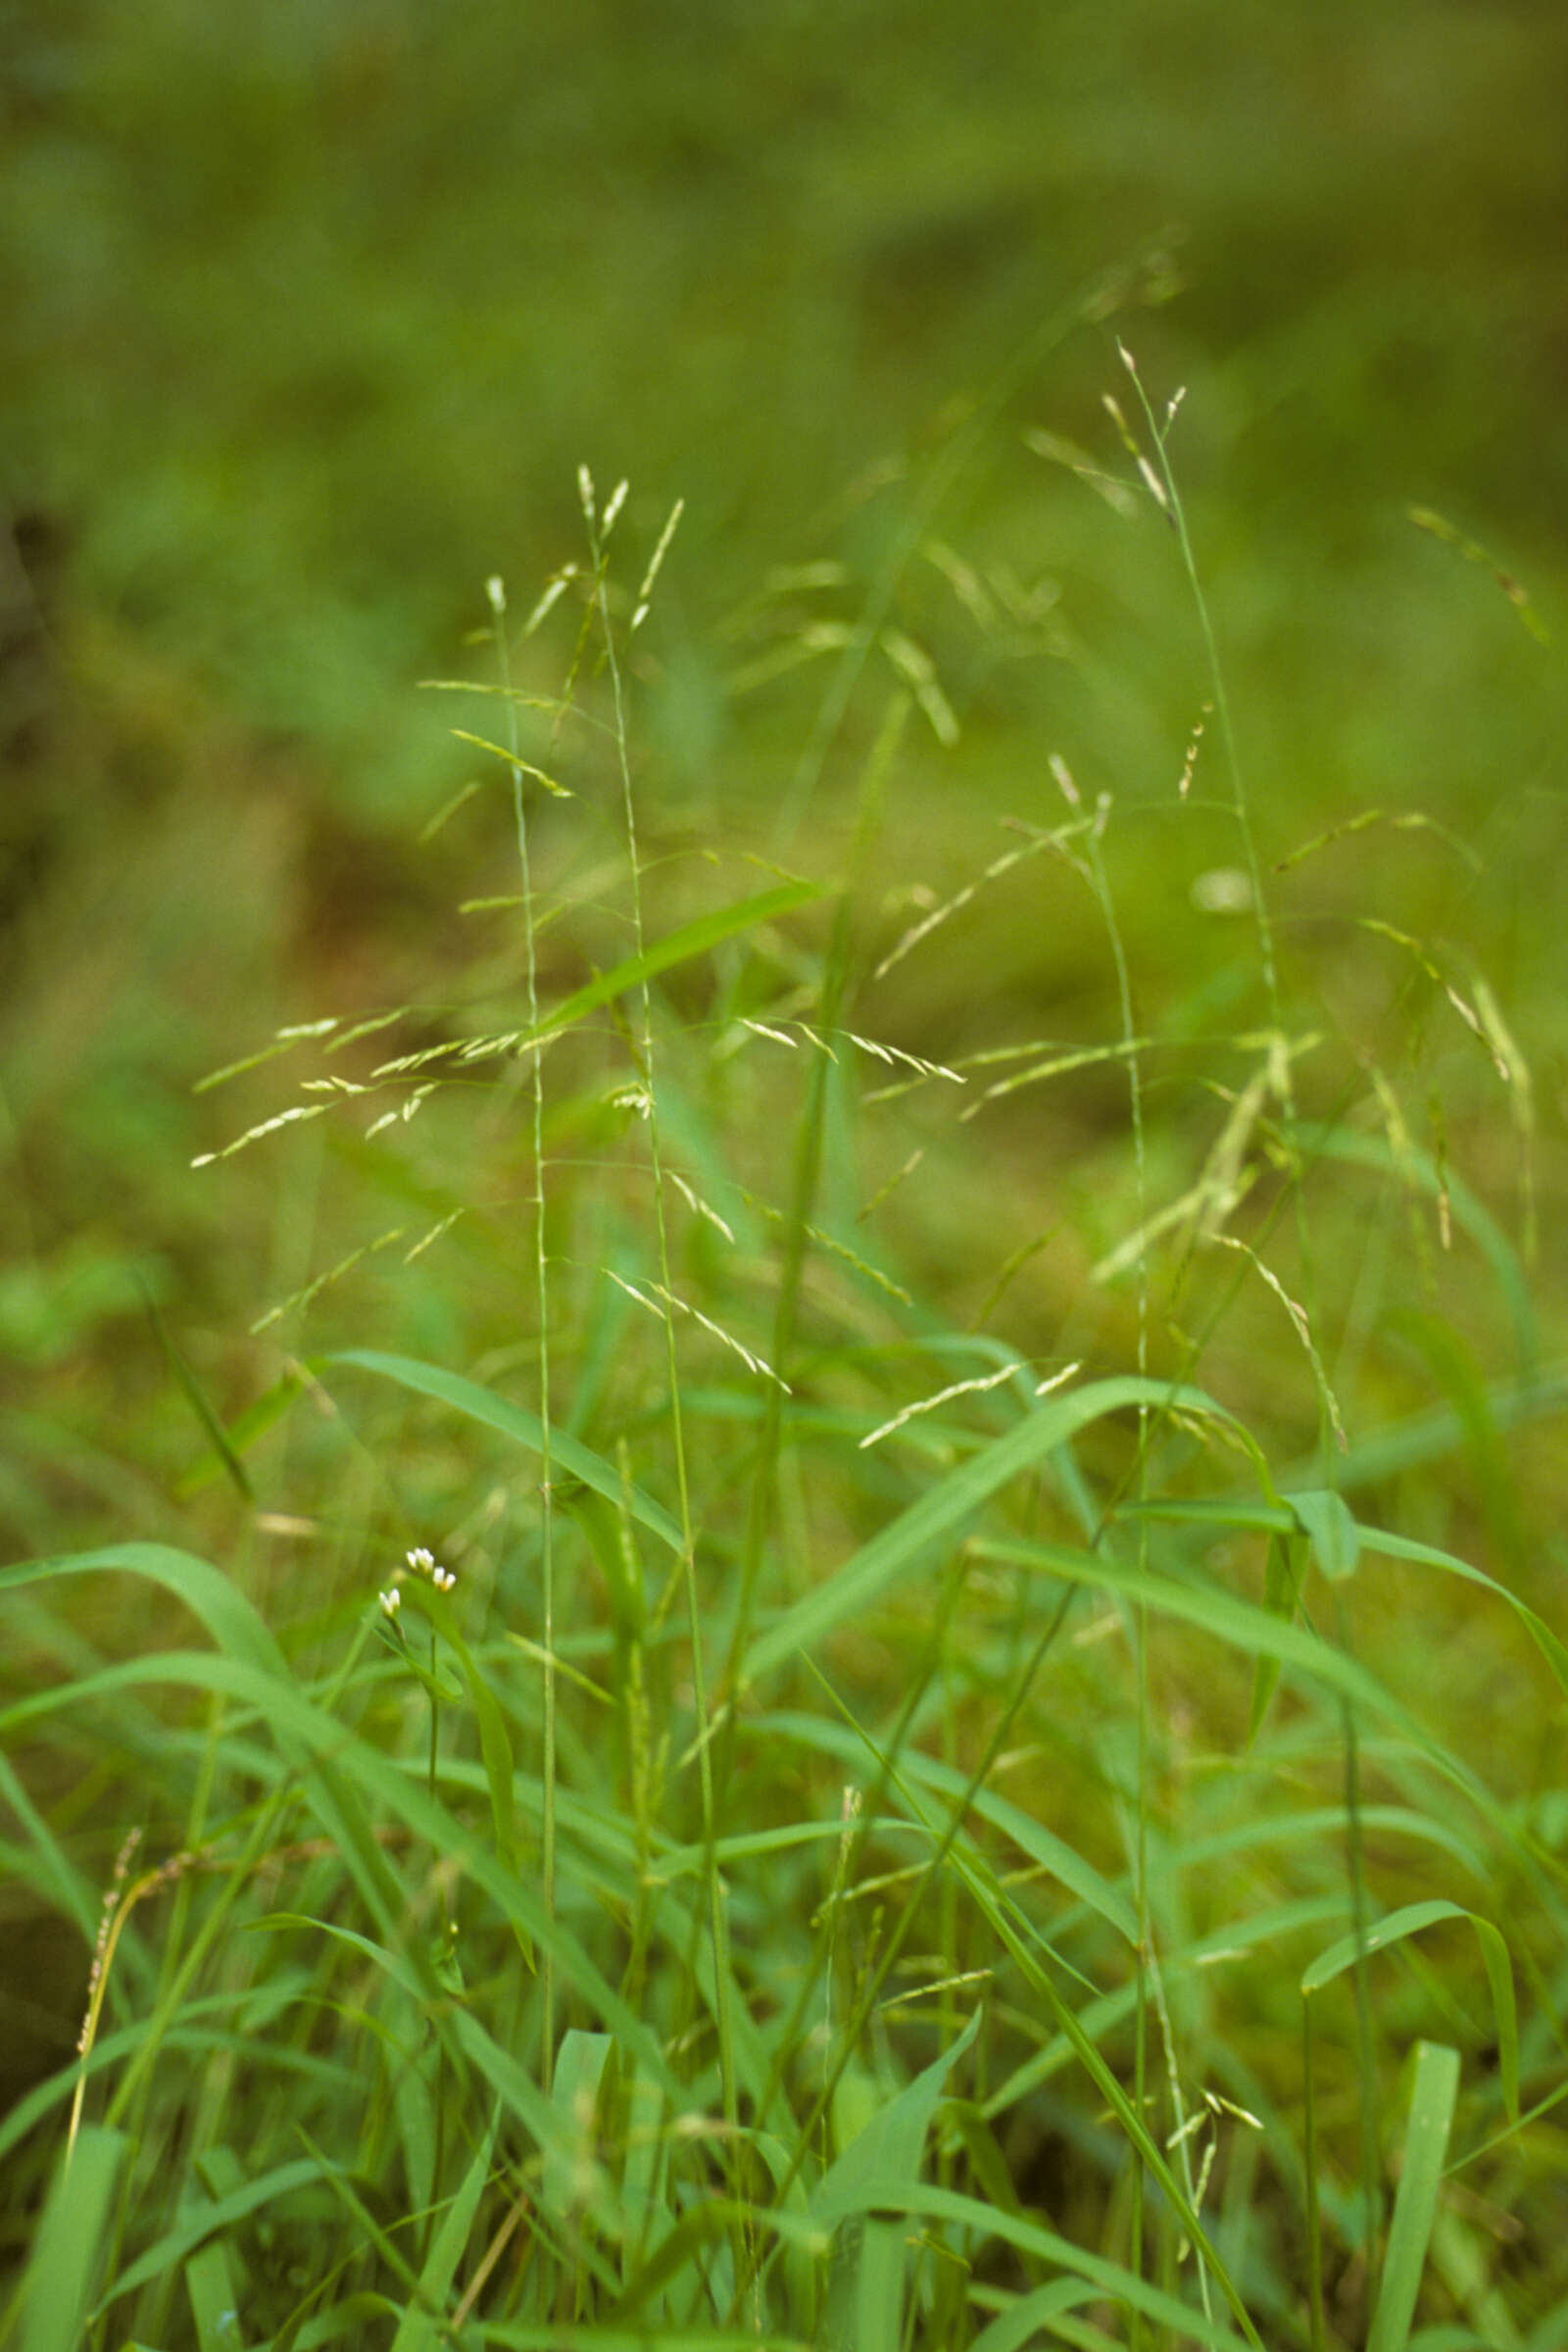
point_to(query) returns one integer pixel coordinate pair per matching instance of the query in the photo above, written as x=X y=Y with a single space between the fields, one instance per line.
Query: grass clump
x=848 y=1713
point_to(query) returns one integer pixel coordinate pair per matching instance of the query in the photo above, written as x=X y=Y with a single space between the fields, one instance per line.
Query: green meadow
x=782 y=1356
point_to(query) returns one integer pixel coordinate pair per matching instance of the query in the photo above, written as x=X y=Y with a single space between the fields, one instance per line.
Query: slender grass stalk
x=1169 y=491
x=1310 y=2159
x=1092 y=867
x=599 y=529
x=886 y=1760
x=547 y=1549
x=806 y=1178
x=1095 y=860
x=1170 y=499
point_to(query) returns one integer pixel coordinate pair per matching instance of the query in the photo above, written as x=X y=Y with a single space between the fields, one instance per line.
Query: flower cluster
x=420 y=1563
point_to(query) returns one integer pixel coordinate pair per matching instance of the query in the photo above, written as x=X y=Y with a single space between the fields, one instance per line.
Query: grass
x=742 y=1761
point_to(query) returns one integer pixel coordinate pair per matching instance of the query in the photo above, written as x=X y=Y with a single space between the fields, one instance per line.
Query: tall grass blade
x=61 y=2274
x=424 y=2325
x=866 y=2294
x=1426 y=2142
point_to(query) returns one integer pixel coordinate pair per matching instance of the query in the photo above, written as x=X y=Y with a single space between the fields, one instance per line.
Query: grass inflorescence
x=873 y=1674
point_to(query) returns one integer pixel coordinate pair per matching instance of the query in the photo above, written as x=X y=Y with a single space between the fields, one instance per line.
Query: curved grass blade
x=943 y=1510
x=1241 y=1624
x=513 y=1421
x=1228 y=1514
x=1410 y=1921
x=922 y=2200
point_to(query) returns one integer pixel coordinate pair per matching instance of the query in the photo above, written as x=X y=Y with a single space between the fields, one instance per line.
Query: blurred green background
x=311 y=313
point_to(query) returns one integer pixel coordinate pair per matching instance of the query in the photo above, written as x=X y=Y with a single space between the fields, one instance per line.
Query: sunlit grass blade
x=69 y=2248
x=582 y=2064
x=1426 y=2143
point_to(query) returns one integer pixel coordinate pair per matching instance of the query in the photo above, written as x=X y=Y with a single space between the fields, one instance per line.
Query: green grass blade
x=213 y=1598
x=1241 y=1624
x=65 y=2252
x=678 y=947
x=1334 y=1537
x=196 y=1396
x=1426 y=1556
x=925 y=2201
x=576 y=2093
x=246 y=1430
x=341 y=1772
x=215 y=2302
x=1228 y=1513
x=1426 y=2144
x=1410 y=1921
x=942 y=1512
x=423 y=2324
x=515 y=1421
x=302 y=2172
x=1029 y=2319
x=866 y=2278
x=893 y=2144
